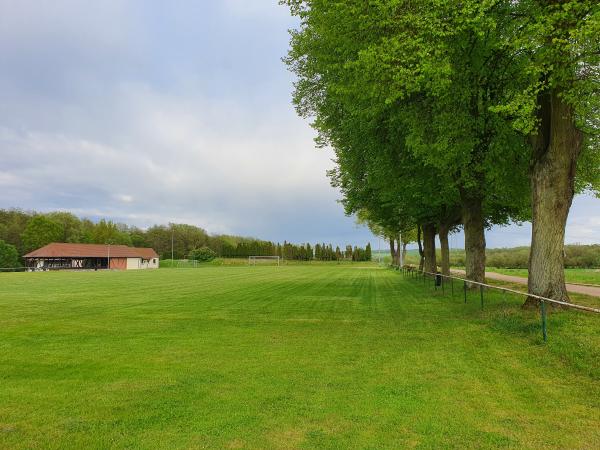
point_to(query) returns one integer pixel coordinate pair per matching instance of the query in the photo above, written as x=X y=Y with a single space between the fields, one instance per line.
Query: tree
x=70 y=224
x=138 y=237
x=318 y=252
x=368 y=252
x=9 y=257
x=408 y=237
x=108 y=232
x=41 y=231
x=555 y=103
x=348 y=252
x=12 y=225
x=338 y=254
x=410 y=85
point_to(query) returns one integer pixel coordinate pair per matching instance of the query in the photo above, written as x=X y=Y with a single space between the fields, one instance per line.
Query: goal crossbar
x=252 y=259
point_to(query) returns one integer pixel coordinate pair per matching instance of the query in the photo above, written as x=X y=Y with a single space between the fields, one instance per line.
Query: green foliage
x=181 y=239
x=40 y=231
x=204 y=254
x=576 y=256
x=12 y=225
x=70 y=225
x=107 y=232
x=582 y=256
x=403 y=92
x=9 y=257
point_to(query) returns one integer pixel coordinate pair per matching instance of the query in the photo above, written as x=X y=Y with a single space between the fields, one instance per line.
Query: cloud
x=124 y=198
x=155 y=157
x=149 y=113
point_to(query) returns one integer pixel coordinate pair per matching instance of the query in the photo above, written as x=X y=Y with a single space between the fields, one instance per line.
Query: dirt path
x=576 y=288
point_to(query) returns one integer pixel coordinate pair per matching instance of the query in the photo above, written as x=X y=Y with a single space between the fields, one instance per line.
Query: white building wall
x=139 y=263
x=134 y=263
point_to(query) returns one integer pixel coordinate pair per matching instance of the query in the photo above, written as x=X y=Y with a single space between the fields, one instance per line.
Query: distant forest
x=24 y=231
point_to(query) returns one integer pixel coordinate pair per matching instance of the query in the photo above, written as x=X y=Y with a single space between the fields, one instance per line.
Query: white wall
x=134 y=263
x=139 y=263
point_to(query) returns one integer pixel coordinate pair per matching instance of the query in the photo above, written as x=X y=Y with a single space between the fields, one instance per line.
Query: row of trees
x=446 y=115
x=22 y=232
x=27 y=231
x=327 y=253
x=301 y=252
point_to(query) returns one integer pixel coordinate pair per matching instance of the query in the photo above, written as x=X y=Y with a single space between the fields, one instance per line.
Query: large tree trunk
x=429 y=248
x=404 y=244
x=556 y=148
x=421 y=254
x=445 y=249
x=392 y=251
x=474 y=226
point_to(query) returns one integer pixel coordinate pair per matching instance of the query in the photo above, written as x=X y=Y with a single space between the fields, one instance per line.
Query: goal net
x=252 y=260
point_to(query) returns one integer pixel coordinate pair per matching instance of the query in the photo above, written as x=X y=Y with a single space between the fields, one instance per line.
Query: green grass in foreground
x=585 y=276
x=289 y=357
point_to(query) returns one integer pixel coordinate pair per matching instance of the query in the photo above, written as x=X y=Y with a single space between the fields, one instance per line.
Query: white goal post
x=252 y=259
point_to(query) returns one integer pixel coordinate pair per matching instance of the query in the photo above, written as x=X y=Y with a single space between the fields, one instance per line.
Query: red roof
x=66 y=250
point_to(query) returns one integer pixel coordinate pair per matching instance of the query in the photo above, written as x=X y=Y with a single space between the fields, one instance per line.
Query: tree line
x=23 y=231
x=447 y=115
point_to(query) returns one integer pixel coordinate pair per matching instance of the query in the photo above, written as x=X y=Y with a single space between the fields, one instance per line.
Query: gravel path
x=578 y=289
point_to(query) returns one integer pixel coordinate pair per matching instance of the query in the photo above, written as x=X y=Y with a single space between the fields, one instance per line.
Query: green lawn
x=324 y=356
x=585 y=276
x=188 y=264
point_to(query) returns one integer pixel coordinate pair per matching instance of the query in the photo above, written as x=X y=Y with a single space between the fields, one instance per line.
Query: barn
x=66 y=256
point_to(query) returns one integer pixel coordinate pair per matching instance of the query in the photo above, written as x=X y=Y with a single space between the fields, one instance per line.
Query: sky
x=149 y=112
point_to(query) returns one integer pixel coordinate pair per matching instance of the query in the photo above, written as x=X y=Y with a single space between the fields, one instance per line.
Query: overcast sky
x=151 y=112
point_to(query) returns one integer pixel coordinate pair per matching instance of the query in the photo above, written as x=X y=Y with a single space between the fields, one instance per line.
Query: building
x=58 y=256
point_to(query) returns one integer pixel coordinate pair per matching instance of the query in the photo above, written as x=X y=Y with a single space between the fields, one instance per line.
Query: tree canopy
x=433 y=108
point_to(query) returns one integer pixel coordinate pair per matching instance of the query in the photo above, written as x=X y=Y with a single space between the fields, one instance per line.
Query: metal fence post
x=442 y=278
x=544 y=333
x=452 y=286
x=465 y=290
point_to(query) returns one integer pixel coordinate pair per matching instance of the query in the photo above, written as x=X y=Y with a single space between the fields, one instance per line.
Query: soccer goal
x=252 y=260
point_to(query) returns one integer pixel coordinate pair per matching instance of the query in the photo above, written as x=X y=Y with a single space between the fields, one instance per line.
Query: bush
x=203 y=254
x=576 y=256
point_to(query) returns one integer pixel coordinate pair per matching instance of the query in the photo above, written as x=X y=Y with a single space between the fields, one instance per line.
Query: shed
x=57 y=256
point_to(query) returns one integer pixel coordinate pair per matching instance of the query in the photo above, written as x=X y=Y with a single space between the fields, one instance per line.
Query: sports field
x=286 y=357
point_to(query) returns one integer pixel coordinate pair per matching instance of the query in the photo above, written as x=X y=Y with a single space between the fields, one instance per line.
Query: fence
x=438 y=280
x=14 y=269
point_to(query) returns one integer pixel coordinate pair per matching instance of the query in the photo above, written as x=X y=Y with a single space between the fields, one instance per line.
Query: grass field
x=584 y=276
x=290 y=357
x=188 y=264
